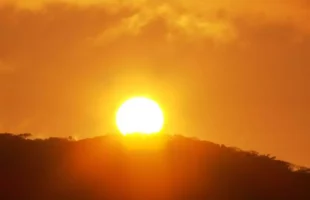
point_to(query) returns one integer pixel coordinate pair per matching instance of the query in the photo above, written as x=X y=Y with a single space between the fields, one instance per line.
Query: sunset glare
x=139 y=115
x=230 y=72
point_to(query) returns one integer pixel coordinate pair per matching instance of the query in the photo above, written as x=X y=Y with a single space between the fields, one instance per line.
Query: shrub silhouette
x=104 y=168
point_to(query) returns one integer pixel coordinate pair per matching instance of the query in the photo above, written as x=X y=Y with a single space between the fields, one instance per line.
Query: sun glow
x=139 y=115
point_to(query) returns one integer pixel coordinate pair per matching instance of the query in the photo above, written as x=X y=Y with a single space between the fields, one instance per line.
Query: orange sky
x=233 y=73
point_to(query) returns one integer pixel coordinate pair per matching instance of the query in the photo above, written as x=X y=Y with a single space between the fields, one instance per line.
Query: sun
x=139 y=115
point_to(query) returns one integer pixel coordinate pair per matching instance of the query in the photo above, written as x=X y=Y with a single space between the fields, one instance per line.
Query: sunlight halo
x=139 y=115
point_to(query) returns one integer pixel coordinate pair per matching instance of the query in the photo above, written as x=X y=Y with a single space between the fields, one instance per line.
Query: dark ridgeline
x=104 y=168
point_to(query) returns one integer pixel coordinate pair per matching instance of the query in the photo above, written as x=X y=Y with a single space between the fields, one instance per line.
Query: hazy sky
x=232 y=72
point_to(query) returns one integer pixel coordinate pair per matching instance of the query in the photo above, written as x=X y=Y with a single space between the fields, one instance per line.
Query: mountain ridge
x=156 y=167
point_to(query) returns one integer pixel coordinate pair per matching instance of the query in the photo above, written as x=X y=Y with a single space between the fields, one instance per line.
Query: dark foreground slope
x=173 y=168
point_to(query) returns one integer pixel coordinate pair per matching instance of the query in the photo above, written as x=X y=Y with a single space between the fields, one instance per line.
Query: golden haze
x=230 y=72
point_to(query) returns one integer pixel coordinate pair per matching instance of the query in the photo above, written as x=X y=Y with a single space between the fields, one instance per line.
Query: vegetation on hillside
x=108 y=168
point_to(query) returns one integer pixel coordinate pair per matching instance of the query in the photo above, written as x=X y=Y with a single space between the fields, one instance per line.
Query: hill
x=113 y=167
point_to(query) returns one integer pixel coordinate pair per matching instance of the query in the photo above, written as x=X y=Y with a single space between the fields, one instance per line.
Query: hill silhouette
x=105 y=168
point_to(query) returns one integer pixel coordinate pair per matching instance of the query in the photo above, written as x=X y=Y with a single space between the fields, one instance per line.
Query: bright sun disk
x=139 y=115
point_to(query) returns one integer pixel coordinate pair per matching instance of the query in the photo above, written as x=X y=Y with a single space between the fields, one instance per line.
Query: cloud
x=297 y=11
x=177 y=25
x=189 y=20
